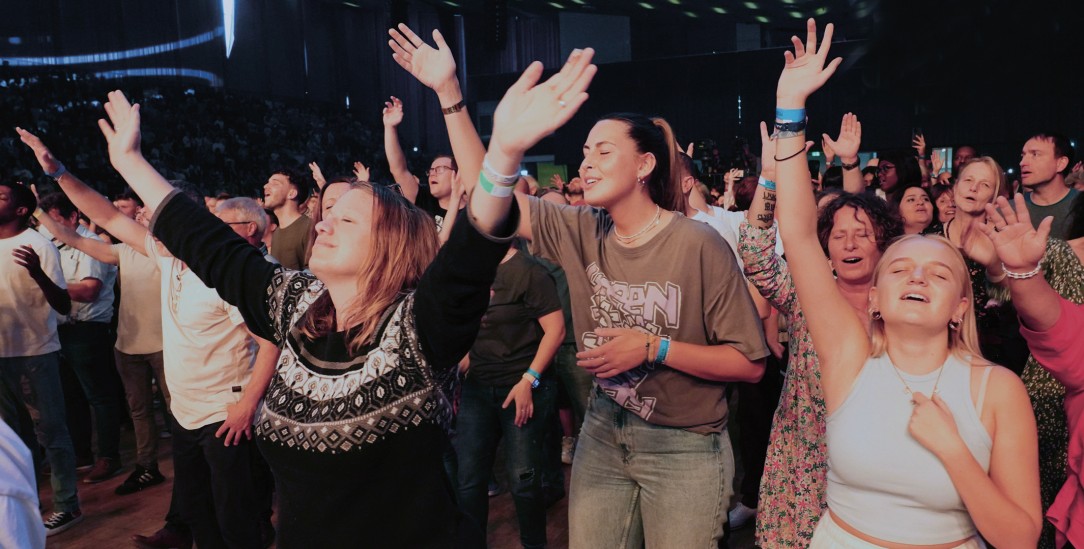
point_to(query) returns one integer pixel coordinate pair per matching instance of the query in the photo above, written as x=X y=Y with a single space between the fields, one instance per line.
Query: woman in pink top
x=1051 y=325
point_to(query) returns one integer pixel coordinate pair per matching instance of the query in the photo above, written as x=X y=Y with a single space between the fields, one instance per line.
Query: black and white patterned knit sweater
x=356 y=441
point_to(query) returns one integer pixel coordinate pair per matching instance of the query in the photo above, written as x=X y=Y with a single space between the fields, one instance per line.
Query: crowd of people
x=902 y=335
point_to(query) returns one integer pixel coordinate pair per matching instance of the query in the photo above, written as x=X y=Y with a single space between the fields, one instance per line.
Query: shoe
x=494 y=489
x=140 y=478
x=164 y=539
x=104 y=469
x=59 y=522
x=741 y=516
x=84 y=464
x=568 y=449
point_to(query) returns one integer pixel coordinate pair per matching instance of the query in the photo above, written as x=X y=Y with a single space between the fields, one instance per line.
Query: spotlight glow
x=646 y=6
x=761 y=19
x=750 y=5
x=228 y=19
x=719 y=10
x=107 y=57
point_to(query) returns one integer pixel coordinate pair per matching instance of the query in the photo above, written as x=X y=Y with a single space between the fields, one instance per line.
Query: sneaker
x=140 y=478
x=741 y=516
x=59 y=522
x=163 y=539
x=494 y=489
x=104 y=469
x=568 y=449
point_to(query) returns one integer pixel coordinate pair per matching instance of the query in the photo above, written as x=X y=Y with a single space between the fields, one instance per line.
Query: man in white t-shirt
x=86 y=341
x=209 y=356
x=32 y=291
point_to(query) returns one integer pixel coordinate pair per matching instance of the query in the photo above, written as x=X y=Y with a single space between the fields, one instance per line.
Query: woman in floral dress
x=854 y=230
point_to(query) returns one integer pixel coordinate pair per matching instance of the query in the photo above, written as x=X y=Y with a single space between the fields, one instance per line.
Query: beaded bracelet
x=1022 y=276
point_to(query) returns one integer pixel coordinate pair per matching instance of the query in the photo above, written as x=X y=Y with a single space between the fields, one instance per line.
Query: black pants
x=220 y=491
x=756 y=408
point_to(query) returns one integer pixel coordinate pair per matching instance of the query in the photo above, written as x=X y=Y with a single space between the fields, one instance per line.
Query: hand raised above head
x=804 y=71
x=393 y=112
x=45 y=157
x=122 y=131
x=1018 y=245
x=433 y=67
x=850 y=138
x=531 y=110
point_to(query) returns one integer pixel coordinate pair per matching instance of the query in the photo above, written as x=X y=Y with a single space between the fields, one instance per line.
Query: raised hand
x=829 y=152
x=937 y=161
x=530 y=111
x=122 y=130
x=48 y=163
x=850 y=138
x=318 y=175
x=804 y=71
x=1019 y=246
x=393 y=112
x=435 y=68
x=919 y=144
x=557 y=181
x=361 y=172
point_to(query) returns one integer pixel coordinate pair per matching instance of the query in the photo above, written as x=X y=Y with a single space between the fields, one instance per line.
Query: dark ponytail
x=653 y=135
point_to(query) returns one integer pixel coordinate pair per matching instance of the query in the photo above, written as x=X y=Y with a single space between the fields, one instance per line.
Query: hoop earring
x=954 y=324
x=875 y=314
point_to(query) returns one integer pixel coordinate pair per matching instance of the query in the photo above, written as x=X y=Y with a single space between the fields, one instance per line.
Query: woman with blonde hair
x=354 y=421
x=980 y=182
x=928 y=444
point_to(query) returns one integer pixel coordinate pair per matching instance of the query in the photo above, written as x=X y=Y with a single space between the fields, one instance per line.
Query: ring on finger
x=562 y=103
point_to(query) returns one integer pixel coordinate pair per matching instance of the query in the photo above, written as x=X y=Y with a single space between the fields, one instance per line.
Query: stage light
x=228 y=19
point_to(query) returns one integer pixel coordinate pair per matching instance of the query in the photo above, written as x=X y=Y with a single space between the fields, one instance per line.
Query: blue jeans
x=635 y=483
x=43 y=376
x=479 y=426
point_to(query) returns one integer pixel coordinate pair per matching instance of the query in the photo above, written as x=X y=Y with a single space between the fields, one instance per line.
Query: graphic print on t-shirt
x=649 y=308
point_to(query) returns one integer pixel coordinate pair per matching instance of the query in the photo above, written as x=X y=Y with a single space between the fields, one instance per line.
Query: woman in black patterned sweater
x=354 y=421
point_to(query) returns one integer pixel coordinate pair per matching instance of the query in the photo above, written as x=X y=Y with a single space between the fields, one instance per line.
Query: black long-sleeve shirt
x=355 y=440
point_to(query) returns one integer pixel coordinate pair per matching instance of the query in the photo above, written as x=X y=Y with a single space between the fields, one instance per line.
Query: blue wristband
x=534 y=373
x=766 y=183
x=789 y=115
x=664 y=349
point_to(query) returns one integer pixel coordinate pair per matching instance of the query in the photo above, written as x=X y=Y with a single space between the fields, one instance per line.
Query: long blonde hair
x=404 y=243
x=962 y=341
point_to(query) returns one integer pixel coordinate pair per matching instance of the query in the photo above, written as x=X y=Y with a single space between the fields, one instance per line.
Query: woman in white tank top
x=929 y=445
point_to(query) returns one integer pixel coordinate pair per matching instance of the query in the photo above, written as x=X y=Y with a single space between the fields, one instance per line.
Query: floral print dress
x=792 y=489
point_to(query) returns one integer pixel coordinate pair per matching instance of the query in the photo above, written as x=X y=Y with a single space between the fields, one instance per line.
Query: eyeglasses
x=885 y=167
x=437 y=170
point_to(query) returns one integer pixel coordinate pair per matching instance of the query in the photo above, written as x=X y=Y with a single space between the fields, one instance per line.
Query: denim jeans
x=576 y=380
x=480 y=425
x=136 y=372
x=637 y=484
x=43 y=376
x=86 y=348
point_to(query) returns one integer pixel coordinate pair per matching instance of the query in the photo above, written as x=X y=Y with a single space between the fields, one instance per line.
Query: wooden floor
x=111 y=520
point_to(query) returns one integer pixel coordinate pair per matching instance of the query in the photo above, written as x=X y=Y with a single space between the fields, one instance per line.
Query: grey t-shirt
x=1062 y=211
x=684 y=283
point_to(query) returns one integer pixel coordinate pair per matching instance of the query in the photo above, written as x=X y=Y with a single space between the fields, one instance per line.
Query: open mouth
x=852 y=260
x=915 y=297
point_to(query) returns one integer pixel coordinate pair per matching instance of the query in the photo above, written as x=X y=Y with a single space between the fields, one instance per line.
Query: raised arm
x=846 y=147
x=435 y=68
x=837 y=334
x=222 y=259
x=1020 y=249
x=397 y=164
x=528 y=112
x=98 y=208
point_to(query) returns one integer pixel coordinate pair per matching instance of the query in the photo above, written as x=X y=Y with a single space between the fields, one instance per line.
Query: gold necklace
x=650 y=225
x=907 y=388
